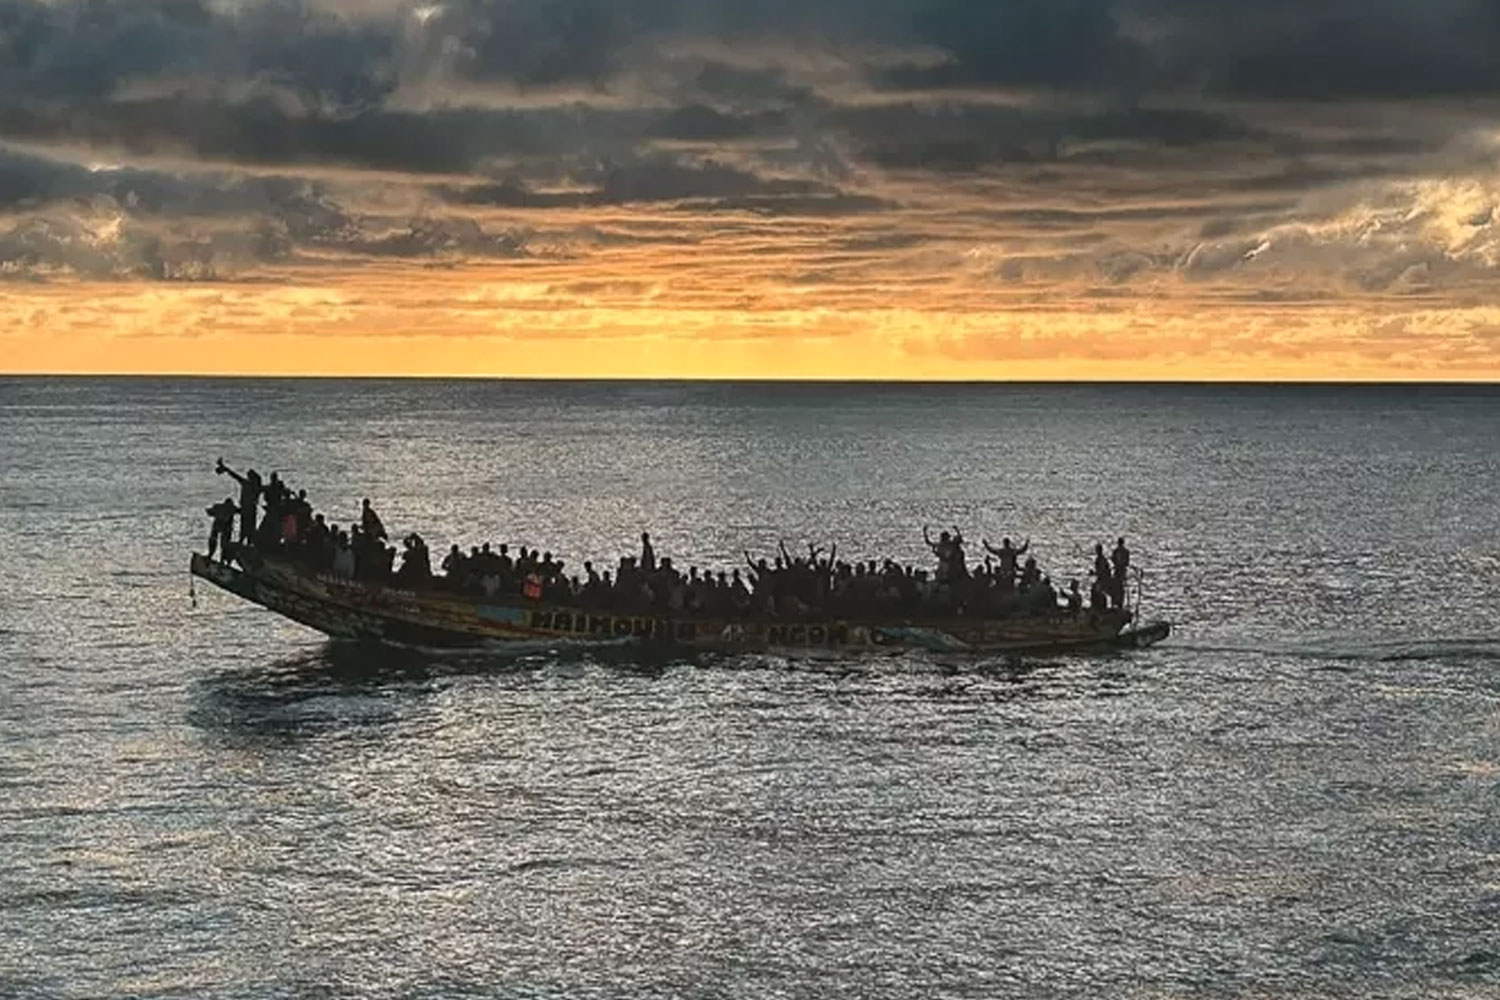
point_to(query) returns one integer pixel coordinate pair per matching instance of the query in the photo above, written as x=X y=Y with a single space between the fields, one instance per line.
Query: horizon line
x=755 y=379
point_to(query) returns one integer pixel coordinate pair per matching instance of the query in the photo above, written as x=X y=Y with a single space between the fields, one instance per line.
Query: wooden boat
x=348 y=609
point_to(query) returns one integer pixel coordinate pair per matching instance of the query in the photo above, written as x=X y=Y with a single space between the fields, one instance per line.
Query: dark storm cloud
x=444 y=140
x=702 y=123
x=28 y=181
x=1058 y=43
x=1342 y=49
x=290 y=81
x=723 y=82
x=130 y=222
x=1270 y=49
x=67 y=51
x=970 y=137
x=535 y=42
x=262 y=131
x=74 y=49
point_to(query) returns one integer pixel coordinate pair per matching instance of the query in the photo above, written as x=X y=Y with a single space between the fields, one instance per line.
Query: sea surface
x=1298 y=795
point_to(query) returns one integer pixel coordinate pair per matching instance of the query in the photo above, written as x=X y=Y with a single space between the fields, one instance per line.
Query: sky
x=927 y=189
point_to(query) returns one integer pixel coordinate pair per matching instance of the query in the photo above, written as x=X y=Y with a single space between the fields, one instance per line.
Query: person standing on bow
x=223 y=527
x=250 y=489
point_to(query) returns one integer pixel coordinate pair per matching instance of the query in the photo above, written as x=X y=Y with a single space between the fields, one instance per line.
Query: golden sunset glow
x=349 y=330
x=658 y=202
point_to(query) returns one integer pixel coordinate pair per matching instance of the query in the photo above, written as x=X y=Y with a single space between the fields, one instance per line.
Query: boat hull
x=345 y=609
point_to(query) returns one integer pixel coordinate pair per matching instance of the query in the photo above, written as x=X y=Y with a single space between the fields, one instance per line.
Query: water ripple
x=1297 y=796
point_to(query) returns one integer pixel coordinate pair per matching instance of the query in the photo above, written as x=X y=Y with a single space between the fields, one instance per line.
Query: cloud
x=1397 y=49
x=1050 y=43
x=131 y=222
x=73 y=50
x=1275 y=49
x=702 y=123
x=287 y=82
x=1406 y=239
x=260 y=131
x=534 y=42
x=107 y=245
x=704 y=185
x=341 y=57
x=829 y=157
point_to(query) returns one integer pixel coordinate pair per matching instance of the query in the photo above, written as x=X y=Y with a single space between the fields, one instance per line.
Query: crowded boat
x=271 y=520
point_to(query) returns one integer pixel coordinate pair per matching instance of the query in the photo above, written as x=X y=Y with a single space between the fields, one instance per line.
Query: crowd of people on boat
x=276 y=520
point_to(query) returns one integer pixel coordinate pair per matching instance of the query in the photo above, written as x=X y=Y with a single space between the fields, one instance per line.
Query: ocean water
x=1298 y=795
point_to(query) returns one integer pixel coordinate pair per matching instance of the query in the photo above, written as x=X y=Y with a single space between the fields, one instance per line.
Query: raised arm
x=1022 y=550
x=990 y=548
x=225 y=470
x=926 y=536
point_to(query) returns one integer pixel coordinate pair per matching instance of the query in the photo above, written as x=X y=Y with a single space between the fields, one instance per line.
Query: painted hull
x=344 y=609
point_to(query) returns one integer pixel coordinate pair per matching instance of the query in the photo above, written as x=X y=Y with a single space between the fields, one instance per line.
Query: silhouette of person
x=1120 y=559
x=1103 y=575
x=370 y=522
x=223 y=527
x=250 y=490
x=1075 y=599
x=1008 y=556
